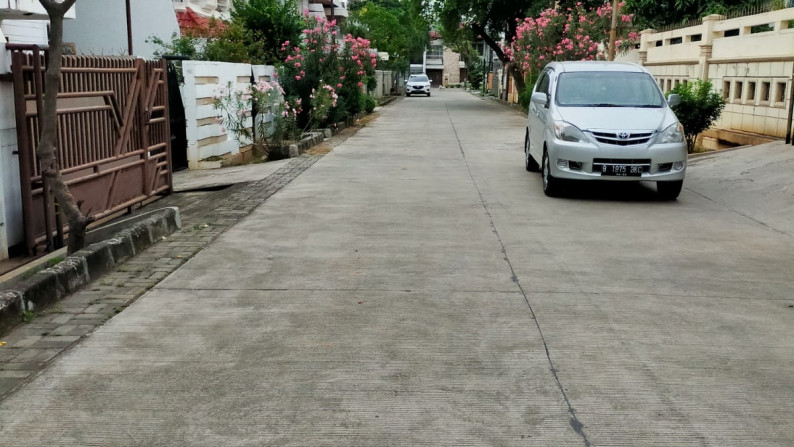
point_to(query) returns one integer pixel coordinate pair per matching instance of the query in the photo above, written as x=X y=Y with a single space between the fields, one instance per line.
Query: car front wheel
x=551 y=185
x=529 y=162
x=669 y=190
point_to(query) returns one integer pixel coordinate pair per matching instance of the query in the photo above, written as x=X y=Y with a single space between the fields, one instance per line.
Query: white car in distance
x=417 y=84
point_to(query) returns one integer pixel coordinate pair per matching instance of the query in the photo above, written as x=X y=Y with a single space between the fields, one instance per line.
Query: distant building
x=330 y=9
x=205 y=8
x=220 y=9
x=443 y=66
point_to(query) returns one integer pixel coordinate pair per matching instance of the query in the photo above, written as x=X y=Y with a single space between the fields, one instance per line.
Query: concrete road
x=415 y=287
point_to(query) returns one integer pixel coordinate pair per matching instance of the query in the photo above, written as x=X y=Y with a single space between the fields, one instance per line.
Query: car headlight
x=566 y=131
x=673 y=134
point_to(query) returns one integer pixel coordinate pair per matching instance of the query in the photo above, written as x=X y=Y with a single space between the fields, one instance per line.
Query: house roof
x=190 y=22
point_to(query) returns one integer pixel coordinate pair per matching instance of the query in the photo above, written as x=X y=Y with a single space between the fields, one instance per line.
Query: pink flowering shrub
x=323 y=100
x=327 y=71
x=276 y=118
x=563 y=35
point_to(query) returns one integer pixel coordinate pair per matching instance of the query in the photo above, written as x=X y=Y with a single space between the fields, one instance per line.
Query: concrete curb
x=317 y=137
x=386 y=100
x=50 y=285
x=312 y=139
x=509 y=105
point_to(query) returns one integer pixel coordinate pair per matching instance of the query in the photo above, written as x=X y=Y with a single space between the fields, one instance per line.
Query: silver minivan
x=603 y=121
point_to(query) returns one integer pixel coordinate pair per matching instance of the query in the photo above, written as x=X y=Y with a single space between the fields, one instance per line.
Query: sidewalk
x=210 y=203
x=187 y=180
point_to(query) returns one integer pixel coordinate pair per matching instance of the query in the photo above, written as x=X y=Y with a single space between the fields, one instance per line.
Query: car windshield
x=608 y=89
x=417 y=79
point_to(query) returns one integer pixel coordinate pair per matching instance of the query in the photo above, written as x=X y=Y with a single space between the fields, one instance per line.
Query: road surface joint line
x=577 y=426
x=733 y=210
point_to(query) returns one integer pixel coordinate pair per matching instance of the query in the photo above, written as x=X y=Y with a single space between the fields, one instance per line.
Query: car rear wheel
x=529 y=162
x=551 y=185
x=669 y=190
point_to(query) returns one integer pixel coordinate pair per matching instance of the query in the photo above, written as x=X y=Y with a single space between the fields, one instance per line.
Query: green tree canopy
x=398 y=27
x=658 y=13
x=268 y=23
x=489 y=20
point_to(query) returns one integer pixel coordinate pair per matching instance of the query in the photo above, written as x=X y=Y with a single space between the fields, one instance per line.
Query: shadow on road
x=612 y=191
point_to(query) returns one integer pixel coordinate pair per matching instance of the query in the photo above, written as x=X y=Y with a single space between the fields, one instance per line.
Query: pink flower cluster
x=292 y=110
x=326 y=91
x=267 y=87
x=572 y=34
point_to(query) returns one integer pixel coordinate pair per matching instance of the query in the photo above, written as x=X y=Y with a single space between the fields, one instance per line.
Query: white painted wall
x=101 y=26
x=11 y=225
x=25 y=31
x=27 y=9
x=385 y=80
x=205 y=137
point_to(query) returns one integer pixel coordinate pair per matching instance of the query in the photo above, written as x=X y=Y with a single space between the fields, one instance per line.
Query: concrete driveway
x=415 y=287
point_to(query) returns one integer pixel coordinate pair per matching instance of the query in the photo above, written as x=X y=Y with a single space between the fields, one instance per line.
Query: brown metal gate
x=113 y=136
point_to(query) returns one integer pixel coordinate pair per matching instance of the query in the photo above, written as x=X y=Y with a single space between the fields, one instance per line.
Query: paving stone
x=96 y=308
x=38 y=355
x=63 y=330
x=14 y=374
x=80 y=329
x=24 y=342
x=8 y=354
x=62 y=318
x=7 y=385
x=50 y=342
x=90 y=320
x=29 y=367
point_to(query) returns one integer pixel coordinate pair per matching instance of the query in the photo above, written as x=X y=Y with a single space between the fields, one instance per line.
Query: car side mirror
x=540 y=98
x=673 y=100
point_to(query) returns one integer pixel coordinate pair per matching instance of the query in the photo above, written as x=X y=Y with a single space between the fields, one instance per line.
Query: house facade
x=749 y=60
x=442 y=65
x=206 y=8
x=331 y=9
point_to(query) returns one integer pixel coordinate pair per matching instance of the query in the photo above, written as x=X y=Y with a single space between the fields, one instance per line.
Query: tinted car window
x=608 y=89
x=417 y=79
x=543 y=83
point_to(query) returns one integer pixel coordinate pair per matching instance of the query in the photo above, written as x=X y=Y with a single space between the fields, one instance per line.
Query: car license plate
x=621 y=170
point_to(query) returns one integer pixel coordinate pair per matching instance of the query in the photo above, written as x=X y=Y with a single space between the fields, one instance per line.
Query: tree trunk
x=690 y=142
x=518 y=76
x=46 y=150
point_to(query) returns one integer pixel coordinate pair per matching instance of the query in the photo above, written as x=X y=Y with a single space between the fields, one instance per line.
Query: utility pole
x=129 y=28
x=613 y=31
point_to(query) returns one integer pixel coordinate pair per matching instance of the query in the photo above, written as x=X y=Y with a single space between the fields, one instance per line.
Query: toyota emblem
x=623 y=135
